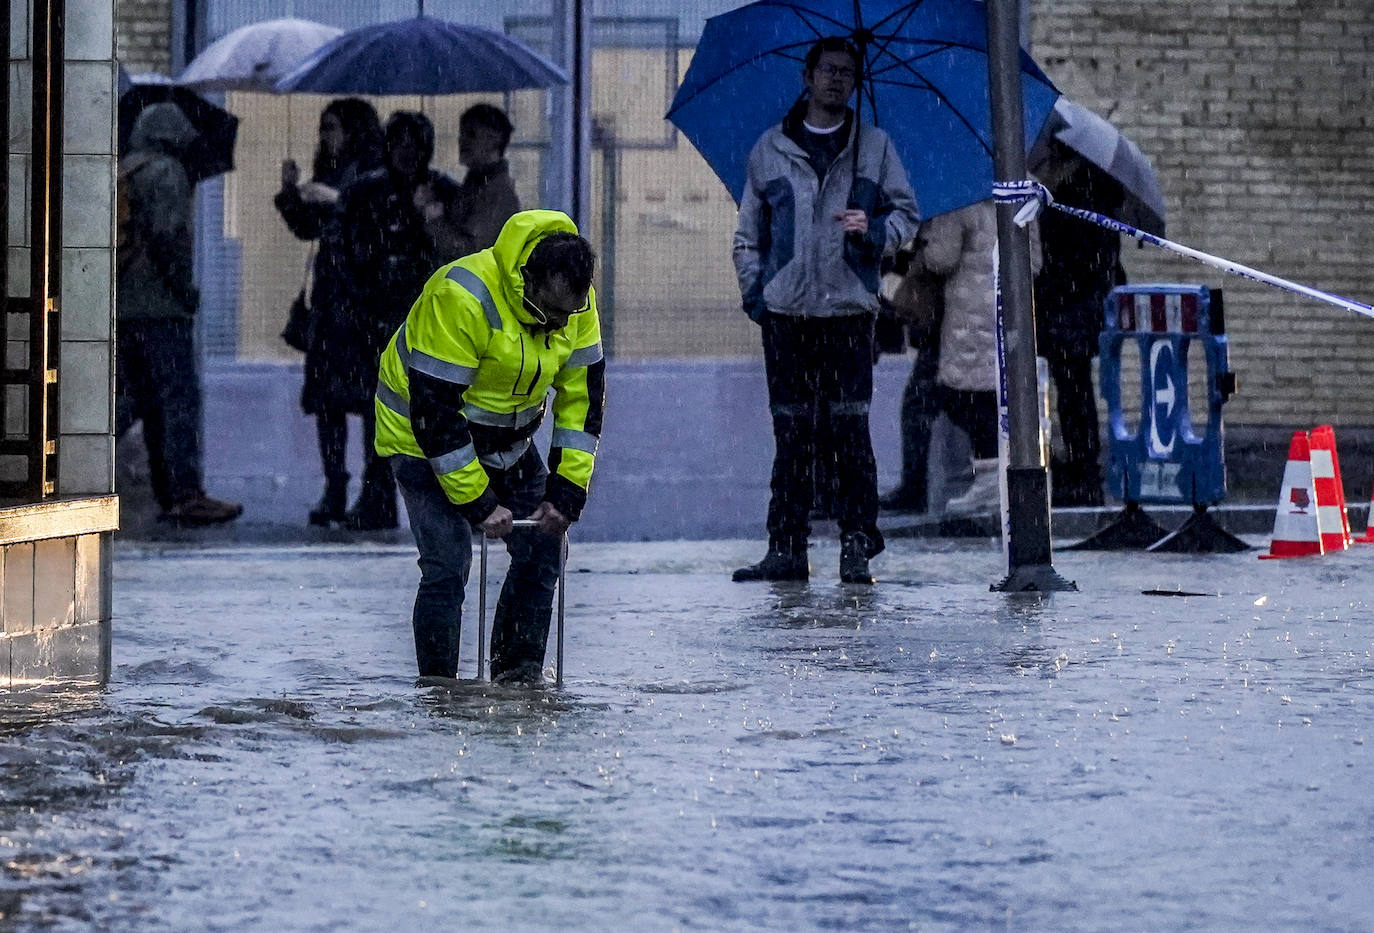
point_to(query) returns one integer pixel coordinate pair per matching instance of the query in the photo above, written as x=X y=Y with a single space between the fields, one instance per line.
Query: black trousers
x=156 y=382
x=1072 y=372
x=974 y=413
x=810 y=363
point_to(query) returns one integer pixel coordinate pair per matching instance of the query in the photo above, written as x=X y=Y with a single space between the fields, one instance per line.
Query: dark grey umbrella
x=1105 y=146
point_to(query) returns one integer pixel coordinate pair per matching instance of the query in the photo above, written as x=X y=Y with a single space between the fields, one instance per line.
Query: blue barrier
x=1170 y=457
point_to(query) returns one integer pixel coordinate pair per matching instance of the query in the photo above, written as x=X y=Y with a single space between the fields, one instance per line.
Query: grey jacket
x=155 y=255
x=790 y=253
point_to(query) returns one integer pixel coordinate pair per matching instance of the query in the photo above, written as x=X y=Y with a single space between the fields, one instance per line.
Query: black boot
x=903 y=498
x=854 y=551
x=776 y=565
x=333 y=505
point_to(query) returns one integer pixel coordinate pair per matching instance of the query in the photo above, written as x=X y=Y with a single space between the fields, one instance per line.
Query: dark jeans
x=444 y=538
x=920 y=408
x=331 y=429
x=813 y=362
x=157 y=383
x=974 y=413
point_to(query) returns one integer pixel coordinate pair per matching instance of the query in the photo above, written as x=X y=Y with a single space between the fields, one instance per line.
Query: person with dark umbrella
x=395 y=224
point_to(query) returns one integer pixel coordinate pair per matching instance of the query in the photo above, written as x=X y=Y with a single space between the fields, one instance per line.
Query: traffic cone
x=1295 y=520
x=1326 y=482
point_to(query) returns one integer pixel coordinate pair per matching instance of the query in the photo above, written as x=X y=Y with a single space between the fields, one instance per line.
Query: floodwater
x=924 y=755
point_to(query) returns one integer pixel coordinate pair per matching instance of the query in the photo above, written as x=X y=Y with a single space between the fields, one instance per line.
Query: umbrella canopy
x=213 y=151
x=255 y=57
x=422 y=55
x=1102 y=144
x=925 y=82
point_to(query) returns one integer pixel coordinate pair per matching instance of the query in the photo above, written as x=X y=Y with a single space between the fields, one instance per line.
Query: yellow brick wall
x=1259 y=117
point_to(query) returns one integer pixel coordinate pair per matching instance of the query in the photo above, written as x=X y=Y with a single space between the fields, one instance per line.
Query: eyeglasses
x=834 y=71
x=543 y=318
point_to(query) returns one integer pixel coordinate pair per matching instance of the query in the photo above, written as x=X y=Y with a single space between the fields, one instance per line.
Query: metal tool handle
x=482 y=602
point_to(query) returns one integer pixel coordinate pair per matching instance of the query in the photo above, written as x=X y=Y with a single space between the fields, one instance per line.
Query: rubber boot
x=519 y=636
x=983 y=497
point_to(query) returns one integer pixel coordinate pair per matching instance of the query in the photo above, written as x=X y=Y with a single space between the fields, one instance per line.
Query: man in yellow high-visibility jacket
x=462 y=389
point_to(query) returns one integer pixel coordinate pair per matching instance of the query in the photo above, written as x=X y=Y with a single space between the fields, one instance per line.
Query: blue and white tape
x=1034 y=196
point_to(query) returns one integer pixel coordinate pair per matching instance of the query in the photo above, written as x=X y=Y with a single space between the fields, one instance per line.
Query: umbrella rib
x=906 y=11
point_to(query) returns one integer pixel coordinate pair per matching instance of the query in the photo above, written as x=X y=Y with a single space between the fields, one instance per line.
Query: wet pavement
x=921 y=755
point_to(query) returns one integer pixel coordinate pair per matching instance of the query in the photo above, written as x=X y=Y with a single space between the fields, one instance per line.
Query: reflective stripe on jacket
x=464 y=381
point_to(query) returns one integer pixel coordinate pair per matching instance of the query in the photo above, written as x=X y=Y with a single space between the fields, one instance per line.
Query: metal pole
x=1029 y=567
x=482 y=601
x=482 y=611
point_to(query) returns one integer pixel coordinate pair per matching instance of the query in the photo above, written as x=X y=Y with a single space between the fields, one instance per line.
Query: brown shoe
x=200 y=509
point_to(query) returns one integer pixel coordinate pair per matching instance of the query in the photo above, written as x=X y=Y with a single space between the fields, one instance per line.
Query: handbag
x=297 y=330
x=918 y=301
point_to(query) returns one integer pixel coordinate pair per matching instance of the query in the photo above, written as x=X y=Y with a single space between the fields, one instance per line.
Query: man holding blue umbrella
x=825 y=198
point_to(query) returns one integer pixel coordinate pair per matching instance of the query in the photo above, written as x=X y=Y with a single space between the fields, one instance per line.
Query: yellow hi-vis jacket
x=464 y=381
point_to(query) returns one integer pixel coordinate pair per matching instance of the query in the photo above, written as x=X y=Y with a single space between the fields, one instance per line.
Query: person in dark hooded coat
x=156 y=299
x=340 y=375
x=395 y=223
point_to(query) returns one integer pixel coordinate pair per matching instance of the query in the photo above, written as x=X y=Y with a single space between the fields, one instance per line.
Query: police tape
x=1034 y=196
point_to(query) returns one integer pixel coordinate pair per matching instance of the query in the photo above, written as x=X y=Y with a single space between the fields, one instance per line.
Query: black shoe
x=854 y=558
x=333 y=505
x=371 y=517
x=903 y=499
x=775 y=566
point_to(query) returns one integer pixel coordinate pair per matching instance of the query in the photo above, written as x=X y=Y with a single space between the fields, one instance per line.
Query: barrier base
x=1200 y=534
x=1132 y=530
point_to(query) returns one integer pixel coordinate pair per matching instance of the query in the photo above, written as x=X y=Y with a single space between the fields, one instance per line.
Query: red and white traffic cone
x=1295 y=520
x=1332 y=521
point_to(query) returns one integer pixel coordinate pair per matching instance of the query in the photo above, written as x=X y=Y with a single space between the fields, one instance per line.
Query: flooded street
x=923 y=755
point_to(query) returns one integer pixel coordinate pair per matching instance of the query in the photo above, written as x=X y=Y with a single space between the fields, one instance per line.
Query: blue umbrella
x=422 y=55
x=925 y=82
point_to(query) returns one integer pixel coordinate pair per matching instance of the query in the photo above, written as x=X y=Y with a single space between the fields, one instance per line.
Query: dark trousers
x=1072 y=373
x=814 y=362
x=157 y=383
x=444 y=539
x=920 y=408
x=974 y=413
x=331 y=429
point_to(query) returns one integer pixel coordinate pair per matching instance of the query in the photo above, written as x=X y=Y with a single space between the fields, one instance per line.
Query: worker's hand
x=290 y=173
x=498 y=523
x=551 y=521
x=853 y=221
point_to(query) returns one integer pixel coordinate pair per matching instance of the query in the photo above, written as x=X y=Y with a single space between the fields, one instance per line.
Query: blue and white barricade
x=1174 y=453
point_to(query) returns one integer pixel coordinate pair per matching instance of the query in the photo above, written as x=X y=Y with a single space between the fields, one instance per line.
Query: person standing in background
x=156 y=378
x=960 y=246
x=339 y=375
x=486 y=198
x=394 y=222
x=825 y=199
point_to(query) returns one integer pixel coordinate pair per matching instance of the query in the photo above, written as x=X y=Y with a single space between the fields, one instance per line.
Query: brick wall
x=1259 y=117
x=143 y=35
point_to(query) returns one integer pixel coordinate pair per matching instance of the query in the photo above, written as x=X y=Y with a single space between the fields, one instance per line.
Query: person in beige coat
x=961 y=246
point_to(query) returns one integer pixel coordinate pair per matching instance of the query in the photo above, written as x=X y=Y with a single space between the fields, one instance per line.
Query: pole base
x=1132 y=530
x=1034 y=578
x=1200 y=534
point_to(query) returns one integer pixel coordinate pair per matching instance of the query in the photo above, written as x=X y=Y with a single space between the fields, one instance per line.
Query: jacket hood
x=162 y=128
x=513 y=247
